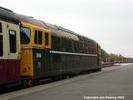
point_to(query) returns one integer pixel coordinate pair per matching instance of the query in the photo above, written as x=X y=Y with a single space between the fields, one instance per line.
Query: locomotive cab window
x=35 y=37
x=25 y=35
x=38 y=37
x=47 y=39
x=12 y=41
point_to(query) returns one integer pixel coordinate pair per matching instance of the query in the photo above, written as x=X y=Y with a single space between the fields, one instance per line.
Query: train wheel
x=27 y=83
x=24 y=83
x=30 y=83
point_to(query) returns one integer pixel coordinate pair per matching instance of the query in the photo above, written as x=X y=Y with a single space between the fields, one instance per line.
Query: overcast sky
x=109 y=22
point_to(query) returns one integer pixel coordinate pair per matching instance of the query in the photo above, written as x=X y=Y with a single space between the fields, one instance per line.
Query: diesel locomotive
x=31 y=50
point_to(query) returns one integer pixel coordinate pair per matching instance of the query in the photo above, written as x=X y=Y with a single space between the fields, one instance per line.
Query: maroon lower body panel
x=9 y=71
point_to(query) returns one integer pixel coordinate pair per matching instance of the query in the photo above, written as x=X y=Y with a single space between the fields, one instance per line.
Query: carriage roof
x=8 y=15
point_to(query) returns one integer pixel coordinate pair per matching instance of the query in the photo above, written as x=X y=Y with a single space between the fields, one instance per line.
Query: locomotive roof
x=81 y=38
x=68 y=33
x=8 y=15
x=31 y=20
x=60 y=33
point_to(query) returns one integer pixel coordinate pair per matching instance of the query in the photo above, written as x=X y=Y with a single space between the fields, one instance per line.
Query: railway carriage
x=9 y=48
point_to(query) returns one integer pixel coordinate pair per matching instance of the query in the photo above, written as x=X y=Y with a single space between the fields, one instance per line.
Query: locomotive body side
x=72 y=53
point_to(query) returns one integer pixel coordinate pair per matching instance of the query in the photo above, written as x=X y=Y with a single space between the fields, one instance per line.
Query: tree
x=104 y=55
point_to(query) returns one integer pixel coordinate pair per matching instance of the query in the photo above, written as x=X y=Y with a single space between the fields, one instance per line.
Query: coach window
x=12 y=40
x=1 y=41
x=25 y=35
x=0 y=28
x=1 y=45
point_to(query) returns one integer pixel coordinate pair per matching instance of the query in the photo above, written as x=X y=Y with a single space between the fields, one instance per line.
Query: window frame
x=30 y=34
x=36 y=37
x=1 y=35
x=46 y=39
x=1 y=30
x=40 y=37
x=2 y=53
x=12 y=51
x=49 y=39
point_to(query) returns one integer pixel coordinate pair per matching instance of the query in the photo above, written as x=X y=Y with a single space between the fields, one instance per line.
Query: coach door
x=9 y=40
x=13 y=41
